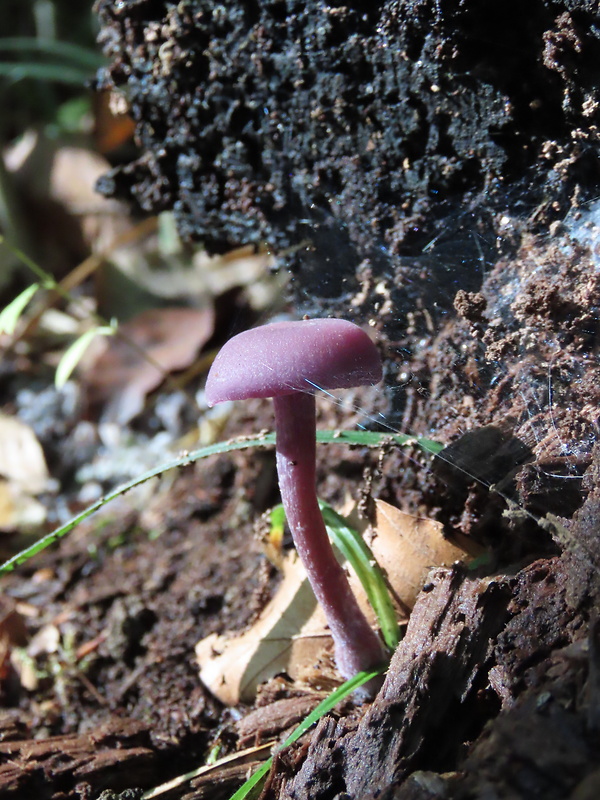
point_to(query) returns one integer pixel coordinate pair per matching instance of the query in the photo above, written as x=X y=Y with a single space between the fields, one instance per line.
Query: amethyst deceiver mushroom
x=287 y=361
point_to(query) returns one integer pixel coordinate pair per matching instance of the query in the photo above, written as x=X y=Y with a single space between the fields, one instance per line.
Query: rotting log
x=116 y=756
x=367 y=141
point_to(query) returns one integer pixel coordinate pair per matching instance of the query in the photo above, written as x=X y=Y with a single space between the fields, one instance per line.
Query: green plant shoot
x=11 y=314
x=74 y=353
x=356 y=551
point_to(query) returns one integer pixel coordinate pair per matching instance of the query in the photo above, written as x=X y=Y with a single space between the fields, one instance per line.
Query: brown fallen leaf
x=23 y=474
x=45 y=642
x=287 y=637
x=73 y=175
x=148 y=347
x=12 y=622
x=291 y=634
x=408 y=547
x=22 y=459
x=19 y=511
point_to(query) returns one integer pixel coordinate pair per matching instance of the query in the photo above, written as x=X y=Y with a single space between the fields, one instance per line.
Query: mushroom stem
x=357 y=647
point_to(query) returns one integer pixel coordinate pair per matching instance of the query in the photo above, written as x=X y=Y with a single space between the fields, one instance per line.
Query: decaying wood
x=220 y=786
x=432 y=683
x=270 y=720
x=115 y=756
x=495 y=686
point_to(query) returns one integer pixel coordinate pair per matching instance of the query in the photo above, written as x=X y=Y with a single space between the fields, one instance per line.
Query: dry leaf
x=12 y=623
x=242 y=267
x=408 y=547
x=45 y=642
x=18 y=510
x=287 y=637
x=112 y=125
x=24 y=474
x=291 y=633
x=22 y=459
x=122 y=376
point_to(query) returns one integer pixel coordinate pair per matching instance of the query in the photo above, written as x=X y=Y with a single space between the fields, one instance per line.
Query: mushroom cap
x=287 y=357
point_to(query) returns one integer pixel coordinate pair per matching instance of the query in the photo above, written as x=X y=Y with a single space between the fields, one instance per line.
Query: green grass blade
x=57 y=73
x=82 y=56
x=10 y=315
x=44 y=277
x=323 y=708
x=375 y=439
x=63 y=530
x=356 y=551
x=358 y=554
x=363 y=438
x=74 y=353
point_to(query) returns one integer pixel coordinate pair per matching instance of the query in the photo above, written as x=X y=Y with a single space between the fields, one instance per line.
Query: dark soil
x=424 y=168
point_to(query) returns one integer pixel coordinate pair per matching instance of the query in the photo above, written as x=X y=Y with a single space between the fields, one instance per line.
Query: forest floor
x=481 y=289
x=495 y=681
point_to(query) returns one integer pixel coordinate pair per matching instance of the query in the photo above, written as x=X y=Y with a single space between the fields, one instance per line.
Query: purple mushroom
x=287 y=361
